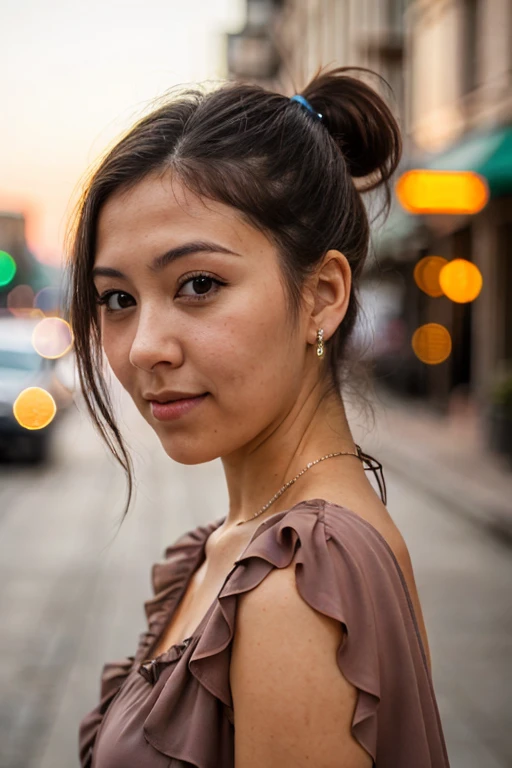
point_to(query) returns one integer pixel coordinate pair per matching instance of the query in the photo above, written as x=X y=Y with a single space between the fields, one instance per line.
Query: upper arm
x=292 y=706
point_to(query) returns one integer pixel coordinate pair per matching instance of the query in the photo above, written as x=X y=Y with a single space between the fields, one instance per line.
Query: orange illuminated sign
x=458 y=192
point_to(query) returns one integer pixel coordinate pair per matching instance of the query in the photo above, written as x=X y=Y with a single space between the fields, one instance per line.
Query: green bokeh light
x=7 y=268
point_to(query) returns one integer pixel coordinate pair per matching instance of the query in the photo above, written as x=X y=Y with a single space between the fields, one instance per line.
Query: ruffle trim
x=198 y=689
x=113 y=675
x=169 y=579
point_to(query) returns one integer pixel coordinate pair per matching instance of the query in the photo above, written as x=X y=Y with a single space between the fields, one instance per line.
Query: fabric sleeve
x=344 y=569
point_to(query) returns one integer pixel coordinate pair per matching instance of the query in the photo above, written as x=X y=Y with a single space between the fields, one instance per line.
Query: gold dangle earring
x=320 y=342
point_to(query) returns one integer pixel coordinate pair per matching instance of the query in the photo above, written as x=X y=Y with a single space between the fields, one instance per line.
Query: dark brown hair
x=288 y=172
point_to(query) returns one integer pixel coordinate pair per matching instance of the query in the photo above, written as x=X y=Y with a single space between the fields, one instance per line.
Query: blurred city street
x=72 y=595
x=433 y=285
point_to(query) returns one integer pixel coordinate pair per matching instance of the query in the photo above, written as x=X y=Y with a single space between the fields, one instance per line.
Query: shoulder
x=317 y=632
x=286 y=683
x=332 y=553
x=285 y=675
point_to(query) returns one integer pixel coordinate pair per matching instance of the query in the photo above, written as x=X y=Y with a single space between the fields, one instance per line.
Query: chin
x=188 y=454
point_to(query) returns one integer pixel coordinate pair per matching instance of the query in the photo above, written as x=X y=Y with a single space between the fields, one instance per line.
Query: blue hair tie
x=305 y=103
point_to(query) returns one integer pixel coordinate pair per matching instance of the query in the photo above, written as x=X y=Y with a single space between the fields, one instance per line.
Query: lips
x=175 y=409
x=168 y=397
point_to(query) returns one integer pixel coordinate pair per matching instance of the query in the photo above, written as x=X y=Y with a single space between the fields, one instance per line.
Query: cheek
x=116 y=349
x=249 y=359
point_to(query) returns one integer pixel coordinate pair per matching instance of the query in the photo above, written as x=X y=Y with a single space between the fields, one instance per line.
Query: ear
x=330 y=289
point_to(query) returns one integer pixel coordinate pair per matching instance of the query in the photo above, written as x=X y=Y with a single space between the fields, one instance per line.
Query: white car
x=21 y=367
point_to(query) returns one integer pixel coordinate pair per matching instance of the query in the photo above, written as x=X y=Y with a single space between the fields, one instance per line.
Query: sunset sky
x=76 y=75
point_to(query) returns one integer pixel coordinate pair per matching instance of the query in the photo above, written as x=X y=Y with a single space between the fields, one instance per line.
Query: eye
x=120 y=296
x=201 y=284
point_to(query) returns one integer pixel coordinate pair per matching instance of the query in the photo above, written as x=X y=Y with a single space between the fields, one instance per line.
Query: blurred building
x=29 y=271
x=295 y=37
x=459 y=117
x=449 y=64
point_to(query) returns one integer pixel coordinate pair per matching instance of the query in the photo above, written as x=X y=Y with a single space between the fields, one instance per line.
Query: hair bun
x=360 y=122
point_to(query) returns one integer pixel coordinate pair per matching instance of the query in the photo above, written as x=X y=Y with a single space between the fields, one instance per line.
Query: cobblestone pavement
x=71 y=591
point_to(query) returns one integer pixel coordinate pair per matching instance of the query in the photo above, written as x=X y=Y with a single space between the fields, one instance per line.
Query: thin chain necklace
x=290 y=482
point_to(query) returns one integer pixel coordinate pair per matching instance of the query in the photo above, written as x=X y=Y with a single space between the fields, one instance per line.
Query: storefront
x=481 y=330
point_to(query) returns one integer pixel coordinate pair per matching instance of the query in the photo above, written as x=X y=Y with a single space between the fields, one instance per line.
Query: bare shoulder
x=292 y=705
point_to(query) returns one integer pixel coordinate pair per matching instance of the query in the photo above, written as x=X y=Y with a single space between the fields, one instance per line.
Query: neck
x=315 y=426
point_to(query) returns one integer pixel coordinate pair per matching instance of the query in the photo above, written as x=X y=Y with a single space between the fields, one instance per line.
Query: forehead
x=160 y=211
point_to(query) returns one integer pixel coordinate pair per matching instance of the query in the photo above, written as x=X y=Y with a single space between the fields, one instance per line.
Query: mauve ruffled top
x=176 y=710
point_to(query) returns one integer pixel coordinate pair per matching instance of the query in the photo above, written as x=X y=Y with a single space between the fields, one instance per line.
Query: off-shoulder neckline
x=196 y=562
x=171 y=651
x=322 y=503
x=315 y=502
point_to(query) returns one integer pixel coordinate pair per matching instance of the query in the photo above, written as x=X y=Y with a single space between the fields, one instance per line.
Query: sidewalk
x=446 y=456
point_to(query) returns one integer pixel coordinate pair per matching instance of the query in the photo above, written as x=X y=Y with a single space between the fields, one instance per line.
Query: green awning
x=489 y=154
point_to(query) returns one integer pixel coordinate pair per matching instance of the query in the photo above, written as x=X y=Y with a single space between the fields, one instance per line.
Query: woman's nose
x=154 y=343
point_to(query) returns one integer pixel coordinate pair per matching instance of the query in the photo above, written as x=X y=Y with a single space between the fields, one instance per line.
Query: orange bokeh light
x=456 y=192
x=432 y=343
x=461 y=280
x=34 y=408
x=426 y=275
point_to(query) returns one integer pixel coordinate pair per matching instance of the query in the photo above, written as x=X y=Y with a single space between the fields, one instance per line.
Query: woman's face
x=210 y=318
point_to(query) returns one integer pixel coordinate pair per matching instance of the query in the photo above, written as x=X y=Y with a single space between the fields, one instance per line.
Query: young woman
x=215 y=263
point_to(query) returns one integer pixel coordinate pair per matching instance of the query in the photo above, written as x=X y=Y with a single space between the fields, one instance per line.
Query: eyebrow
x=160 y=262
